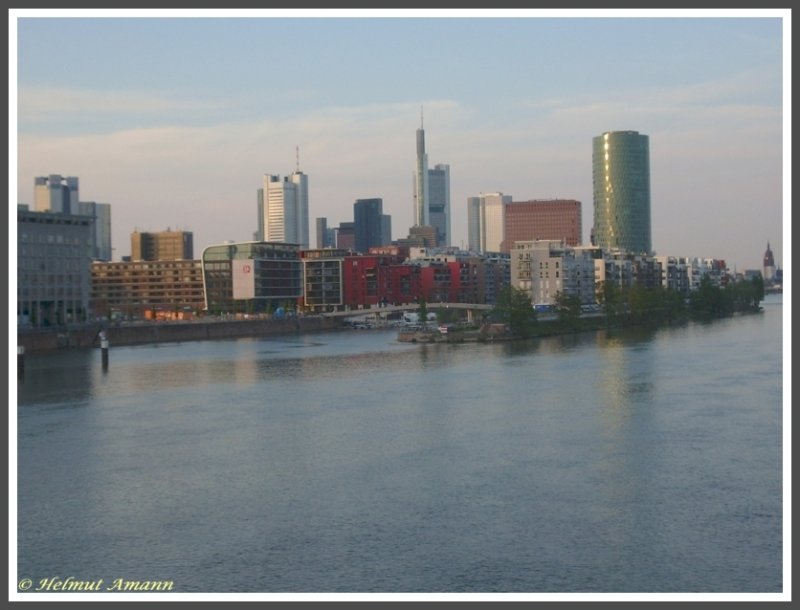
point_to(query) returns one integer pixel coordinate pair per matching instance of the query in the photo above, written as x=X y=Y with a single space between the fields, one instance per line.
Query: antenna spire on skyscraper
x=297 y=153
x=421 y=118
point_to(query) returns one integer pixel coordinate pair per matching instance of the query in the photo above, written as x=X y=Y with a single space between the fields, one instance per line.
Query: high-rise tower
x=431 y=192
x=283 y=209
x=370 y=224
x=421 y=211
x=439 y=202
x=55 y=193
x=621 y=180
x=485 y=221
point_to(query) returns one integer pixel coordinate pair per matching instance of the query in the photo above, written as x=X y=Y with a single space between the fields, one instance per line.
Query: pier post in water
x=104 y=349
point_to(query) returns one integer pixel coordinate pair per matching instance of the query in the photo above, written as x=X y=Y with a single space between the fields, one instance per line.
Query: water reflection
x=57 y=377
x=627 y=376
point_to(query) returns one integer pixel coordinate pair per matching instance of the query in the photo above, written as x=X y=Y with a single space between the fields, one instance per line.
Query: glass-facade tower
x=621 y=181
x=367 y=217
x=439 y=201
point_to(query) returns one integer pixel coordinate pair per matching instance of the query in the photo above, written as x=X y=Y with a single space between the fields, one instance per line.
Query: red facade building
x=542 y=219
x=337 y=280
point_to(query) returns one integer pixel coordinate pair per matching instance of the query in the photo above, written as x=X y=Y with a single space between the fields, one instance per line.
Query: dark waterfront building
x=53 y=260
x=252 y=277
x=621 y=181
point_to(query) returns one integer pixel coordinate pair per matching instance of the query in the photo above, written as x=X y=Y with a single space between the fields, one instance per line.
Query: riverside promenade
x=138 y=333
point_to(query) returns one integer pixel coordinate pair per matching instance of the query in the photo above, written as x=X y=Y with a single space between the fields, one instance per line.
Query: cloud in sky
x=45 y=104
x=176 y=158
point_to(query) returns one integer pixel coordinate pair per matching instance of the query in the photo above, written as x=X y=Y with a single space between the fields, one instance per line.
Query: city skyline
x=169 y=148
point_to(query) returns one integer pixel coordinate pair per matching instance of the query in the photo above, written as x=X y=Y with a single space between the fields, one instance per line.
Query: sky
x=174 y=121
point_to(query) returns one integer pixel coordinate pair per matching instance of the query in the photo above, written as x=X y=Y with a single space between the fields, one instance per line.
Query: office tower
x=101 y=237
x=558 y=219
x=474 y=224
x=439 y=201
x=283 y=209
x=485 y=222
x=162 y=246
x=258 y=234
x=325 y=236
x=421 y=212
x=346 y=236
x=371 y=225
x=56 y=194
x=386 y=229
x=423 y=236
x=621 y=181
x=53 y=279
x=431 y=192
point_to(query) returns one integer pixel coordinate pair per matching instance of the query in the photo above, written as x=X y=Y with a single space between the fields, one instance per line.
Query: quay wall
x=168 y=332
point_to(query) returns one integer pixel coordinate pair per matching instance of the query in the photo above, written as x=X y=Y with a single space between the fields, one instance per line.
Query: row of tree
x=634 y=305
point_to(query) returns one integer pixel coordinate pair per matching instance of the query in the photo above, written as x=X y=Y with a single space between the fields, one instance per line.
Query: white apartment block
x=545 y=268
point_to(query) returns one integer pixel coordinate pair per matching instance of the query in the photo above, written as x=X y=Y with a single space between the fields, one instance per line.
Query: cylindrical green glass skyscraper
x=621 y=180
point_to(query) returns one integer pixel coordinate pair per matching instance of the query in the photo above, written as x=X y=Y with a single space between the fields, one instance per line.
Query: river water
x=635 y=461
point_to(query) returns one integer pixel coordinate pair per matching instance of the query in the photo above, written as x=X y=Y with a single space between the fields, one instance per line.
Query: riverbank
x=543 y=328
x=139 y=333
x=37 y=340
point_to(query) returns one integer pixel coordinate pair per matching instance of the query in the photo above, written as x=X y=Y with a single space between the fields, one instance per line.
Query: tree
x=446 y=315
x=710 y=300
x=422 y=312
x=569 y=308
x=612 y=299
x=514 y=308
x=674 y=305
x=758 y=289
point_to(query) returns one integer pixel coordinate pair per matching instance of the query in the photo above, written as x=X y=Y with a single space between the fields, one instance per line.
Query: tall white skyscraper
x=283 y=209
x=55 y=193
x=431 y=193
x=486 y=221
x=421 y=212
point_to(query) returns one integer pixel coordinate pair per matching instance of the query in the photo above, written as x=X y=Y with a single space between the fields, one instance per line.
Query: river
x=636 y=461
